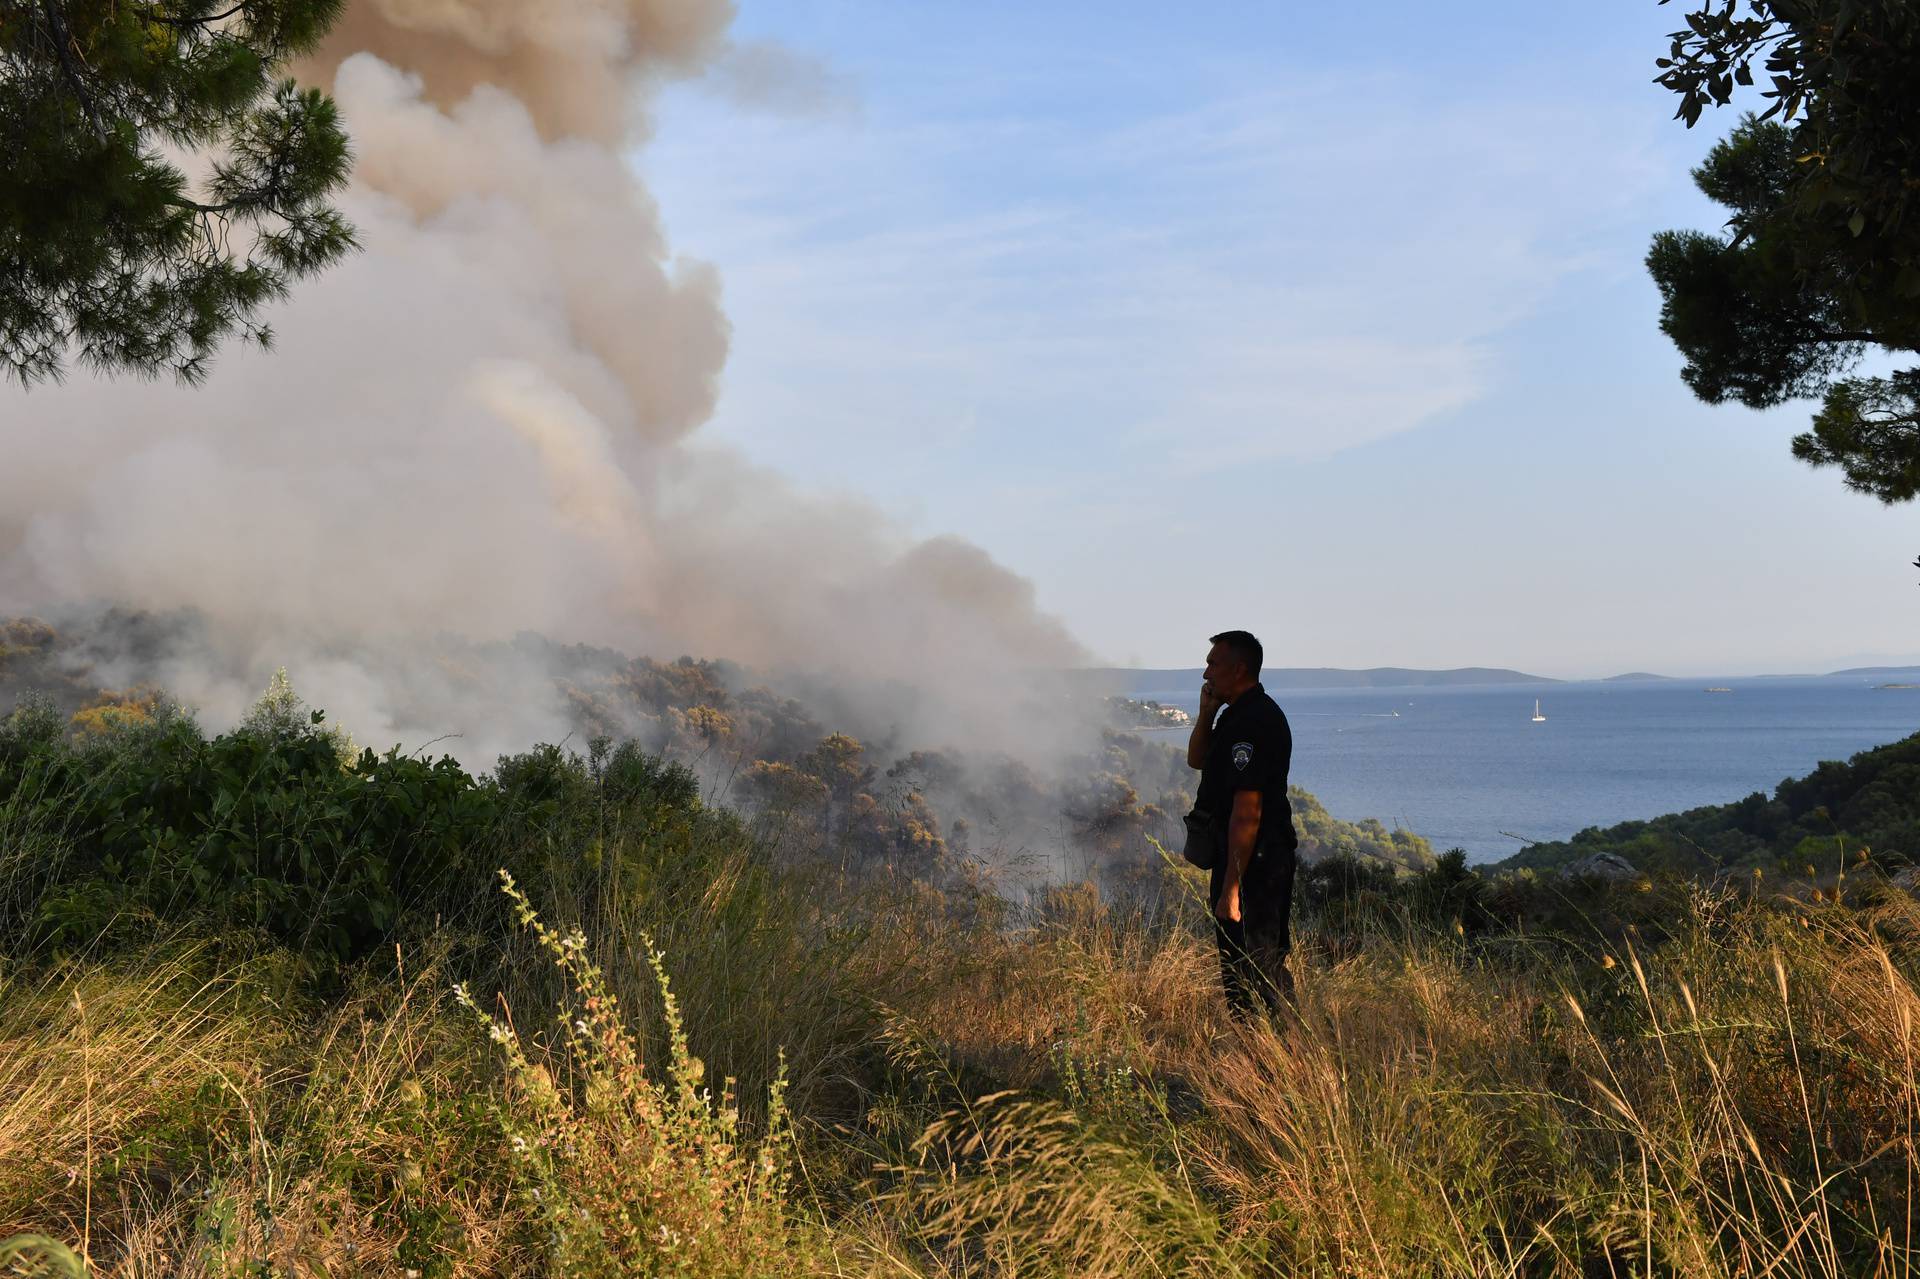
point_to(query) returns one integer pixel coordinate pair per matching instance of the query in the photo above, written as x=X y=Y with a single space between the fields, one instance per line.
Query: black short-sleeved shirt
x=1252 y=749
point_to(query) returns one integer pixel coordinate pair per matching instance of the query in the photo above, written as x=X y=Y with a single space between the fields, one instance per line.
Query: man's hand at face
x=1200 y=740
x=1227 y=909
x=1210 y=701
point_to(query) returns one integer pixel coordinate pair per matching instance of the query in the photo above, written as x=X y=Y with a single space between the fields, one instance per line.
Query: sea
x=1467 y=767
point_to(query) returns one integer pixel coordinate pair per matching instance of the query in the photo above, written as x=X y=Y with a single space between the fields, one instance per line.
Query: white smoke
x=484 y=423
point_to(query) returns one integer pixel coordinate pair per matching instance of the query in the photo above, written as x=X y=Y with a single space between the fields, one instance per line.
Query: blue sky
x=1328 y=321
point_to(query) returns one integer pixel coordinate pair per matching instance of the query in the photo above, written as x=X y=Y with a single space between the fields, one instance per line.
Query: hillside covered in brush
x=816 y=780
x=1835 y=816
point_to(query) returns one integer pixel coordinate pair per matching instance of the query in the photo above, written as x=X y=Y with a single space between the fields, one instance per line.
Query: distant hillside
x=1368 y=841
x=1634 y=677
x=1137 y=681
x=1881 y=670
x=1822 y=820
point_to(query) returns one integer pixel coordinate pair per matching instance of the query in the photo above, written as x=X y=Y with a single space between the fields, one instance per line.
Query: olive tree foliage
x=1819 y=260
x=109 y=252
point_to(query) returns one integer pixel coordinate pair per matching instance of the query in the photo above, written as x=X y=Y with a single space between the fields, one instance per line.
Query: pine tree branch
x=62 y=46
x=199 y=22
x=225 y=206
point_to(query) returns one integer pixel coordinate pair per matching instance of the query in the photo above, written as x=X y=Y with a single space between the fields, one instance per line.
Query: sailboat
x=1538 y=718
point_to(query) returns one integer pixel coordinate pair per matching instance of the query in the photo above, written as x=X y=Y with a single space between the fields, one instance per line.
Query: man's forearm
x=1242 y=832
x=1200 y=740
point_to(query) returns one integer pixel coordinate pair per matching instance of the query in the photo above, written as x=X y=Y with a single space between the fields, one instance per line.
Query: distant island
x=1127 y=712
x=1135 y=682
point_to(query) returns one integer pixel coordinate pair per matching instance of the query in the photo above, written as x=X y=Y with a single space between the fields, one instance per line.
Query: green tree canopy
x=107 y=250
x=1819 y=260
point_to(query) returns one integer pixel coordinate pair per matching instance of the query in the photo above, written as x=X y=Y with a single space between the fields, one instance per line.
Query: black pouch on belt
x=1199 y=849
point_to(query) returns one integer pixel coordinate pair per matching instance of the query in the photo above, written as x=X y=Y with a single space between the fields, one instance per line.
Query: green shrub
x=266 y=828
x=267 y=831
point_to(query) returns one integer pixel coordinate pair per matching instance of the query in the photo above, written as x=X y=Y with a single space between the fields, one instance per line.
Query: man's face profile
x=1223 y=669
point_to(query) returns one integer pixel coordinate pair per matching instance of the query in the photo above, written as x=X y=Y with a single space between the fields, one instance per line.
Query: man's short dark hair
x=1243 y=646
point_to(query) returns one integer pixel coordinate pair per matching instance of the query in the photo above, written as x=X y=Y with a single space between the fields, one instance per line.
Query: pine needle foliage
x=1819 y=260
x=109 y=251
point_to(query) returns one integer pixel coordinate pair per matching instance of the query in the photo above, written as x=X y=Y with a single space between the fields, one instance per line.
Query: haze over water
x=1467 y=767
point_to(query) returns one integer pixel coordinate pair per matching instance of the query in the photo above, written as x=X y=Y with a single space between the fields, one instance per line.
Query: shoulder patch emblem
x=1242 y=755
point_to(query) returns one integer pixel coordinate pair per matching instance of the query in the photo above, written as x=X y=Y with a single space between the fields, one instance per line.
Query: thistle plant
x=633 y=1171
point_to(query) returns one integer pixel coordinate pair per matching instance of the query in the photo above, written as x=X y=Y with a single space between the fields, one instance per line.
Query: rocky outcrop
x=1609 y=868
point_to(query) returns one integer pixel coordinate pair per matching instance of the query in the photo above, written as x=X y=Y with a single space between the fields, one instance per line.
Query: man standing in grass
x=1243 y=763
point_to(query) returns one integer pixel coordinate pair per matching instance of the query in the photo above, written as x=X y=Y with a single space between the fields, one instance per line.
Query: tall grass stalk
x=638 y=1171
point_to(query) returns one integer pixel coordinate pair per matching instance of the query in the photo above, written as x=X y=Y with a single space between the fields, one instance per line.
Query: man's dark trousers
x=1253 y=950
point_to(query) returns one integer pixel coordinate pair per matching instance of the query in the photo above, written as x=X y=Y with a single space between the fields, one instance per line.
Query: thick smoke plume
x=486 y=423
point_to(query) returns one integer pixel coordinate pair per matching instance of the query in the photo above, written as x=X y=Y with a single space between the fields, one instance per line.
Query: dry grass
x=1740 y=1102
x=170 y=1115
x=94 y=1059
x=1058 y=1098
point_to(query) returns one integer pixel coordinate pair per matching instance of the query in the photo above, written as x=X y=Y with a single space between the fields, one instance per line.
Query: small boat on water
x=1538 y=718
